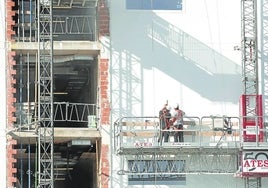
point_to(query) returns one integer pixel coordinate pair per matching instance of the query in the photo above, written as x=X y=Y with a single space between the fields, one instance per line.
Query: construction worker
x=164 y=120
x=177 y=123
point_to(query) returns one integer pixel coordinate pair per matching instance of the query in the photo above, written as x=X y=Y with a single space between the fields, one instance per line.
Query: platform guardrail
x=207 y=131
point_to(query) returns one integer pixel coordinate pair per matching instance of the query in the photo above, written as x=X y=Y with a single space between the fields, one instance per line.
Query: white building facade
x=185 y=52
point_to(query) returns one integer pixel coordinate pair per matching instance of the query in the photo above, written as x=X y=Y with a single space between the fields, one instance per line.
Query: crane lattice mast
x=45 y=95
x=249 y=49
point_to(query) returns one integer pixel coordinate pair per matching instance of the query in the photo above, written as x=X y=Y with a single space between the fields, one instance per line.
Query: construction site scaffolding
x=251 y=103
x=45 y=99
x=210 y=147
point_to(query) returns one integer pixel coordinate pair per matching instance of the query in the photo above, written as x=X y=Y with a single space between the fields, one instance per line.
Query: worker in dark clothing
x=164 y=119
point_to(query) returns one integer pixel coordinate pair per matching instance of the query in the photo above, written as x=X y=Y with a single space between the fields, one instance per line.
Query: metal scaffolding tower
x=45 y=103
x=249 y=50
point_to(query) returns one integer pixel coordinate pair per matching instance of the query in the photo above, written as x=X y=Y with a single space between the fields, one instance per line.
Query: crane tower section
x=249 y=47
x=45 y=103
x=251 y=101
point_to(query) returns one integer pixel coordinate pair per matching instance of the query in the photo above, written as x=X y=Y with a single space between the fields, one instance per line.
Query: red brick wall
x=104 y=119
x=10 y=23
x=105 y=166
x=11 y=152
x=103 y=18
x=104 y=83
x=104 y=30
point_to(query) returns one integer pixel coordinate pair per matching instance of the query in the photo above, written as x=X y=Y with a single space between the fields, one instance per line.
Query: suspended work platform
x=212 y=145
x=200 y=135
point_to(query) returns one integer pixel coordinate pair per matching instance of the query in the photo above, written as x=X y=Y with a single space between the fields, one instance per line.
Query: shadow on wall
x=153 y=43
x=195 y=64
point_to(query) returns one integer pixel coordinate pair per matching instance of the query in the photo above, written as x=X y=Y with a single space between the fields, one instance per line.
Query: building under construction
x=53 y=92
x=83 y=82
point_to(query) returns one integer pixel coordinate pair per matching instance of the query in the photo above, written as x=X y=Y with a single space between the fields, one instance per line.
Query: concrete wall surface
x=186 y=56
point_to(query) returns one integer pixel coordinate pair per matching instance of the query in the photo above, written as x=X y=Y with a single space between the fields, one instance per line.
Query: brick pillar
x=105 y=166
x=10 y=72
x=9 y=21
x=104 y=120
x=103 y=18
x=104 y=31
x=104 y=97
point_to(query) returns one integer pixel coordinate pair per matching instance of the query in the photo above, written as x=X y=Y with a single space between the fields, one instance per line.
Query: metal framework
x=180 y=163
x=249 y=49
x=209 y=148
x=252 y=182
x=45 y=103
x=78 y=26
x=63 y=112
x=73 y=112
